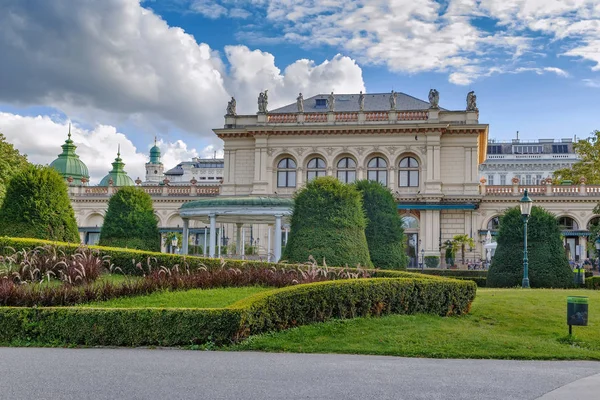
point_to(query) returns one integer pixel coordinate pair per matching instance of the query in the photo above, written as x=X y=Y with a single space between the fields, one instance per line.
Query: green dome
x=69 y=165
x=117 y=174
x=155 y=154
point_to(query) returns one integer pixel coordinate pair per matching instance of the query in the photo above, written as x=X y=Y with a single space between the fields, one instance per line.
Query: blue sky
x=124 y=72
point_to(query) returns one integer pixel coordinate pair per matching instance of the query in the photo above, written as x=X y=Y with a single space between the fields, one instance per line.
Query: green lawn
x=195 y=298
x=503 y=323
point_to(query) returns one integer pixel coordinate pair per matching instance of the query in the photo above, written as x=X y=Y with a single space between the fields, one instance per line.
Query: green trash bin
x=577 y=310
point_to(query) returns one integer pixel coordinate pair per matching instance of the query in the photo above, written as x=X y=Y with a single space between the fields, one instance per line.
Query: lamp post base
x=525 y=283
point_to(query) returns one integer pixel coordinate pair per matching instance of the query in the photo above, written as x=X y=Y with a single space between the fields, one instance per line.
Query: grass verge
x=195 y=298
x=503 y=323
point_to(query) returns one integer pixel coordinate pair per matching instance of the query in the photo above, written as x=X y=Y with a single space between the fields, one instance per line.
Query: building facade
x=528 y=162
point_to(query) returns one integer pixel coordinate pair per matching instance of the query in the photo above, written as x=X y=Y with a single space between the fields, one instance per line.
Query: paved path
x=32 y=373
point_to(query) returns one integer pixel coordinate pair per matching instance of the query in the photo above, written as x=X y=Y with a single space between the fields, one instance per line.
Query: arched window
x=410 y=222
x=286 y=173
x=315 y=168
x=346 y=170
x=494 y=224
x=567 y=224
x=593 y=222
x=408 y=172
x=377 y=170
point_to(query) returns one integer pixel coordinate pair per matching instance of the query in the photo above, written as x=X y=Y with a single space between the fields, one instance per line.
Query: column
x=238 y=239
x=186 y=236
x=277 y=238
x=213 y=233
x=582 y=248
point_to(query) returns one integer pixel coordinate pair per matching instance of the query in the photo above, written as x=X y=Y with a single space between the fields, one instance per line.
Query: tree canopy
x=130 y=221
x=37 y=205
x=589 y=165
x=11 y=161
x=384 y=232
x=328 y=223
x=548 y=263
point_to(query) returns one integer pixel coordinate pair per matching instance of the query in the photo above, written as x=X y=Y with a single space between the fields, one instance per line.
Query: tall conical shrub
x=37 y=205
x=130 y=221
x=328 y=223
x=548 y=263
x=384 y=232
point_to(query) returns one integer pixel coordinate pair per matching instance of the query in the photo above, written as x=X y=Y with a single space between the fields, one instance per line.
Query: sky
x=124 y=72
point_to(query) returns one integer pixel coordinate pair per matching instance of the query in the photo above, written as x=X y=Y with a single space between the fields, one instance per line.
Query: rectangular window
x=528 y=179
x=495 y=149
x=346 y=176
x=320 y=103
x=538 y=179
x=560 y=148
x=528 y=149
x=281 y=179
x=490 y=180
x=403 y=178
x=502 y=180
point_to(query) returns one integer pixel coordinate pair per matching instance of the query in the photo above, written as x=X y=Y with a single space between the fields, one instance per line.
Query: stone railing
x=154 y=191
x=547 y=189
x=348 y=117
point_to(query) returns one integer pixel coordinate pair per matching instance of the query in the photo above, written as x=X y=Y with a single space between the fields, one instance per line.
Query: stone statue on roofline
x=472 y=101
x=263 y=102
x=231 y=107
x=361 y=101
x=393 y=97
x=300 y=103
x=434 y=98
x=331 y=102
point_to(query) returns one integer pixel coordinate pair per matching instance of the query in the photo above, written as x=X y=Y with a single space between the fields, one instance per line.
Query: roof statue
x=393 y=97
x=472 y=101
x=331 y=102
x=263 y=101
x=361 y=101
x=231 y=106
x=300 y=103
x=434 y=98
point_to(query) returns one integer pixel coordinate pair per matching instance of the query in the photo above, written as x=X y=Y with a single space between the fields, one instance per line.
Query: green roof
x=117 y=174
x=155 y=154
x=69 y=165
x=241 y=201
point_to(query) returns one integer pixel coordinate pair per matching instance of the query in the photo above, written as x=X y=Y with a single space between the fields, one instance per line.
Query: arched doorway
x=410 y=223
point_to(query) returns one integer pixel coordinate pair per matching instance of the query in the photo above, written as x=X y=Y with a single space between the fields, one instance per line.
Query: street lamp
x=598 y=250
x=174 y=243
x=422 y=259
x=525 y=205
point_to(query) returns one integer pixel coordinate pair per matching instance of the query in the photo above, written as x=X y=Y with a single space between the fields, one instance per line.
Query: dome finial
x=69 y=135
x=155 y=140
x=119 y=150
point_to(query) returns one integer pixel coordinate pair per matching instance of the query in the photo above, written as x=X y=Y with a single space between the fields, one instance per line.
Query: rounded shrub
x=130 y=221
x=11 y=162
x=37 y=205
x=548 y=264
x=328 y=223
x=385 y=235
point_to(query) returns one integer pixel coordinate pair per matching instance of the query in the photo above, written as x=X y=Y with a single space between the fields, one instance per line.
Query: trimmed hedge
x=328 y=223
x=593 y=283
x=273 y=310
x=548 y=263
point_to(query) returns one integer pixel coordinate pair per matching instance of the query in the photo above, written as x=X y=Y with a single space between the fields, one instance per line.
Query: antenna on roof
x=517 y=135
x=215 y=155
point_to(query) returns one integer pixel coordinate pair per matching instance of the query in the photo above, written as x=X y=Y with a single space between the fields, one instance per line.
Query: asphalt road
x=34 y=373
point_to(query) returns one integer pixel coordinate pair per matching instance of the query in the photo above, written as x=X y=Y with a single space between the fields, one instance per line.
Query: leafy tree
x=548 y=264
x=11 y=161
x=130 y=221
x=460 y=242
x=589 y=165
x=37 y=206
x=328 y=223
x=385 y=235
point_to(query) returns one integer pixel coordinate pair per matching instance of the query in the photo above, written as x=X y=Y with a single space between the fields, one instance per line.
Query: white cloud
x=208 y=8
x=593 y=83
x=115 y=62
x=254 y=71
x=41 y=137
